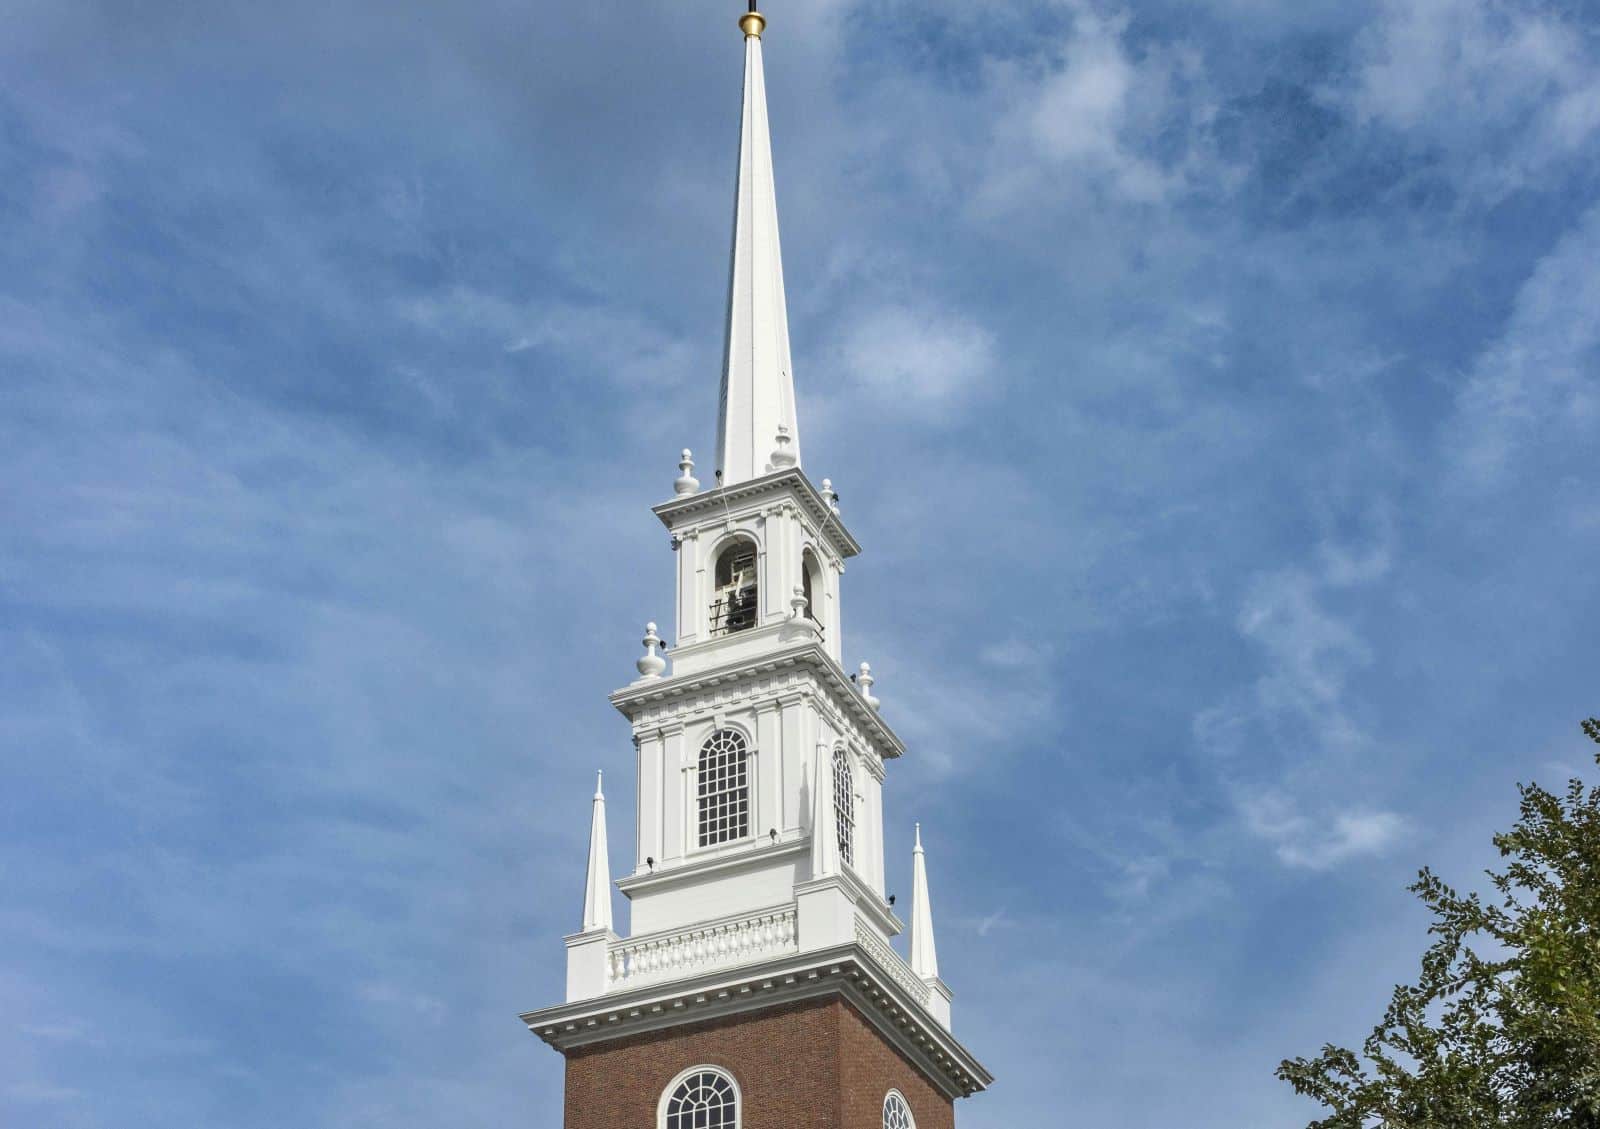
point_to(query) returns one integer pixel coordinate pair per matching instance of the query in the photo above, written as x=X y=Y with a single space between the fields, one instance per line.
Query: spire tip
x=752 y=23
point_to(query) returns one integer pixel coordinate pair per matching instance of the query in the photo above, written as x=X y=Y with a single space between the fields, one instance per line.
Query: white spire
x=757 y=377
x=597 y=883
x=824 y=835
x=924 y=957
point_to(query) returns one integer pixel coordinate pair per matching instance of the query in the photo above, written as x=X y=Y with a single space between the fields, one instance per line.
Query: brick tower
x=758 y=988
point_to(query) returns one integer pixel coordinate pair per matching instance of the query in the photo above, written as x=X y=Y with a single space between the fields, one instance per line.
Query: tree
x=1502 y=1028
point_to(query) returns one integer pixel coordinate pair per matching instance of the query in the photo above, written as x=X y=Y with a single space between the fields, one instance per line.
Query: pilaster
x=588 y=964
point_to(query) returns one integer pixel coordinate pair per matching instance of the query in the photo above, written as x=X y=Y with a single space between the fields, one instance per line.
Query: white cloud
x=1014 y=652
x=1310 y=650
x=924 y=358
x=618 y=342
x=1103 y=116
x=43 y=1093
x=1317 y=842
x=1462 y=71
x=1081 y=108
x=1291 y=748
x=1538 y=385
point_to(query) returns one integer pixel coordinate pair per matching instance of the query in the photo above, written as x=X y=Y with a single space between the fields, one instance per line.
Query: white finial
x=782 y=457
x=829 y=496
x=924 y=956
x=797 y=603
x=651 y=664
x=865 y=680
x=824 y=833
x=686 y=482
x=597 y=881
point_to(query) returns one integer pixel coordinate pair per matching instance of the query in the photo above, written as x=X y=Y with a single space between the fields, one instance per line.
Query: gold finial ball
x=752 y=24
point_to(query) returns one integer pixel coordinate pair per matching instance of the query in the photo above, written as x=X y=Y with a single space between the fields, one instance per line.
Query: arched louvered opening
x=811 y=586
x=734 y=603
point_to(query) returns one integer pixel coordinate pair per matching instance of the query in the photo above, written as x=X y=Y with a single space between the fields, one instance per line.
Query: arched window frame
x=897 y=1111
x=814 y=586
x=663 y=1105
x=716 y=612
x=737 y=815
x=844 y=804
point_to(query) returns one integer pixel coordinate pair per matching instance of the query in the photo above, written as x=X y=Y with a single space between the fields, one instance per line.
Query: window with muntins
x=844 y=806
x=896 y=1113
x=705 y=1099
x=733 y=607
x=724 y=788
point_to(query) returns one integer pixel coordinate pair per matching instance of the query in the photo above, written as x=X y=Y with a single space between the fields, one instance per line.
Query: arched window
x=844 y=806
x=703 y=1098
x=724 y=788
x=733 y=607
x=811 y=585
x=896 y=1113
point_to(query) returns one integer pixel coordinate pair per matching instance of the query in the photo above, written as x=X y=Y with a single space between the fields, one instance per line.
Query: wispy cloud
x=1320 y=842
x=1535 y=391
x=926 y=360
x=1510 y=86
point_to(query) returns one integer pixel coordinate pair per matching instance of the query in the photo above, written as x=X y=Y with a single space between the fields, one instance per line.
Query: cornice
x=846 y=970
x=809 y=655
x=693 y=868
x=754 y=489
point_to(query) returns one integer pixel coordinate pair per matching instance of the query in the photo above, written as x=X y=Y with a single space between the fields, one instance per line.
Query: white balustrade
x=684 y=952
x=889 y=960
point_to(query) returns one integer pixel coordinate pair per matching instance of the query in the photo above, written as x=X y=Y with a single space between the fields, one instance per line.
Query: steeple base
x=814 y=1063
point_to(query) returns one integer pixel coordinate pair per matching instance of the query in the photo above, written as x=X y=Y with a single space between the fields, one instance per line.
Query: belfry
x=758 y=987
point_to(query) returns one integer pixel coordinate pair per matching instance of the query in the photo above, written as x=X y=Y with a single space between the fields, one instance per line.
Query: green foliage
x=1502 y=1027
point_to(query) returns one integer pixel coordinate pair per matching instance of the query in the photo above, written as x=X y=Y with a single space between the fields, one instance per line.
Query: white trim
x=704 y=1068
x=833 y=687
x=844 y=970
x=749 y=496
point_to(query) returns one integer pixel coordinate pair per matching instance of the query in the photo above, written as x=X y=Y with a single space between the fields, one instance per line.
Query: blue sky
x=1214 y=386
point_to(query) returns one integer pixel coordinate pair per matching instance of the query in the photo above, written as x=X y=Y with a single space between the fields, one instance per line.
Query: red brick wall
x=869 y=1066
x=811 y=1065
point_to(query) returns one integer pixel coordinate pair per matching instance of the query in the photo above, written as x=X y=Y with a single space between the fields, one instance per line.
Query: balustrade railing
x=889 y=960
x=683 y=952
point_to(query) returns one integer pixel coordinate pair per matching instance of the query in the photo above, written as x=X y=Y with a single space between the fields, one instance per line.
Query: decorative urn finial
x=686 y=482
x=797 y=603
x=782 y=457
x=829 y=495
x=651 y=664
x=865 y=680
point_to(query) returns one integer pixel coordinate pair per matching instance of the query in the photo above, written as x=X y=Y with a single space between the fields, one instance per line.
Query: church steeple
x=757 y=428
x=756 y=901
